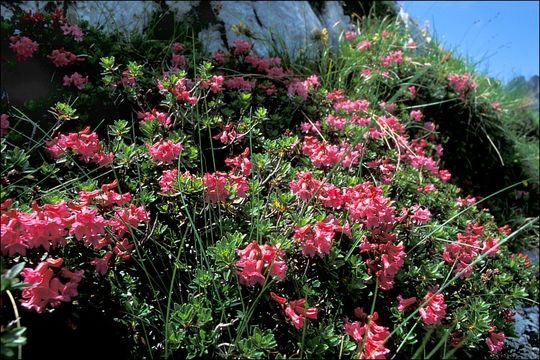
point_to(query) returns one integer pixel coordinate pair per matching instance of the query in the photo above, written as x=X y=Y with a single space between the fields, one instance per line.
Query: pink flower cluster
x=395 y=57
x=363 y=45
x=416 y=155
x=61 y=57
x=165 y=151
x=352 y=105
x=403 y=304
x=462 y=84
x=416 y=115
x=84 y=143
x=371 y=336
x=318 y=239
x=295 y=310
x=76 y=80
x=495 y=341
x=256 y=261
x=228 y=135
x=420 y=215
x=324 y=155
x=434 y=310
x=105 y=196
x=48 y=226
x=154 y=114
x=167 y=180
x=269 y=66
x=384 y=167
x=241 y=47
x=466 y=201
x=302 y=88
x=23 y=47
x=43 y=227
x=73 y=30
x=178 y=61
x=214 y=84
x=217 y=185
x=48 y=289
x=239 y=83
x=467 y=247
x=127 y=79
x=181 y=91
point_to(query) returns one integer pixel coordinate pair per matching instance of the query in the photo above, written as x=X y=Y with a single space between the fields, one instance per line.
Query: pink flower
x=350 y=36
x=167 y=180
x=462 y=253
x=178 y=61
x=83 y=143
x=364 y=44
x=295 y=310
x=48 y=289
x=23 y=47
x=181 y=91
x=490 y=246
x=371 y=335
x=219 y=57
x=161 y=117
x=412 y=91
x=214 y=84
x=420 y=215
x=123 y=249
x=302 y=88
x=102 y=264
x=416 y=115
x=74 y=30
x=434 y=310
x=239 y=83
x=228 y=135
x=495 y=341
x=365 y=72
x=61 y=57
x=90 y=226
x=462 y=84
x=127 y=79
x=304 y=188
x=240 y=47
x=257 y=259
x=214 y=185
x=164 y=151
x=318 y=239
x=177 y=47
x=76 y=80
x=405 y=303
x=4 y=124
x=240 y=164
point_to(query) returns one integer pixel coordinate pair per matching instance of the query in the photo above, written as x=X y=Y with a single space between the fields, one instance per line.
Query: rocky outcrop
x=294 y=27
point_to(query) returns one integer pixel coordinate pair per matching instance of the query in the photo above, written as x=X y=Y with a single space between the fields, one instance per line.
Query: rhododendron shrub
x=234 y=206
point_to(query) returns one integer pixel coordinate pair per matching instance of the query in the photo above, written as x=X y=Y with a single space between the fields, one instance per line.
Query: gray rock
x=124 y=16
x=181 y=8
x=211 y=39
x=292 y=24
x=335 y=21
x=237 y=17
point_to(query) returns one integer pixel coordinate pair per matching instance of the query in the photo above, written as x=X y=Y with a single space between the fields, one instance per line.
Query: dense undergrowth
x=168 y=204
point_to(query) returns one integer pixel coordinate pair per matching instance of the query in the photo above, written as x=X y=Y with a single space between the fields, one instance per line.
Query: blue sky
x=502 y=35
